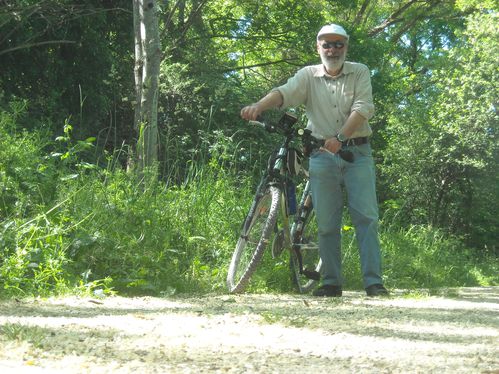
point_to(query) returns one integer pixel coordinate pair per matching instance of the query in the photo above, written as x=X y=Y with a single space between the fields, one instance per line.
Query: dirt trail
x=454 y=332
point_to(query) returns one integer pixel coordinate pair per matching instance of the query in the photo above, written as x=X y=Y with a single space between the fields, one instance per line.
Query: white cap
x=332 y=29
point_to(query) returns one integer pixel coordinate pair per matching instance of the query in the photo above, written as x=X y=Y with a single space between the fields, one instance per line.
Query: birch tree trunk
x=147 y=65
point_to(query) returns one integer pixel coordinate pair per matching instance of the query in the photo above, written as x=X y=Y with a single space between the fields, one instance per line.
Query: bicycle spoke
x=253 y=240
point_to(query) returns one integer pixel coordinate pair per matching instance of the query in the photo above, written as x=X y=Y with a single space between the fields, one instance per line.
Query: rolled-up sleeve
x=294 y=91
x=363 y=99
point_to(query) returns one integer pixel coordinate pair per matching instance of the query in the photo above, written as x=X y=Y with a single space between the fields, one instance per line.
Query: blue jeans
x=329 y=176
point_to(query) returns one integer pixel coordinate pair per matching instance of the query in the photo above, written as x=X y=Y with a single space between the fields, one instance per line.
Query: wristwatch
x=341 y=138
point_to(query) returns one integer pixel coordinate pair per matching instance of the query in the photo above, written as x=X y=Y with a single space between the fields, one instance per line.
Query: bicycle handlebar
x=259 y=123
x=310 y=142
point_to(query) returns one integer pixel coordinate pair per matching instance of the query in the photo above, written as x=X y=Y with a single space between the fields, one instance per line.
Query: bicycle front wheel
x=255 y=235
x=305 y=242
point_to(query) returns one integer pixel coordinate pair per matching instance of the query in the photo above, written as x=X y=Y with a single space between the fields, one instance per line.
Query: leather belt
x=356 y=141
x=353 y=141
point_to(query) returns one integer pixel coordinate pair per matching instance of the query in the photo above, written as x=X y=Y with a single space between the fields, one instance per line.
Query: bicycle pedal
x=312 y=274
x=278 y=244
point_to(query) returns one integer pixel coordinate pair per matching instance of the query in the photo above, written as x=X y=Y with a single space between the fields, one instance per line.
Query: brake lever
x=260 y=121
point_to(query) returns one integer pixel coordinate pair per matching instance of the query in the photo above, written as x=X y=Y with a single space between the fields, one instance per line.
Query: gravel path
x=455 y=331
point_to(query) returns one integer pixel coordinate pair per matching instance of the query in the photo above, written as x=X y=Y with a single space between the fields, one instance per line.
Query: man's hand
x=332 y=145
x=272 y=100
x=251 y=112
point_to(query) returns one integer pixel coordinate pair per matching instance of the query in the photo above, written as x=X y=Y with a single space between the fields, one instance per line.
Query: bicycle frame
x=269 y=214
x=277 y=173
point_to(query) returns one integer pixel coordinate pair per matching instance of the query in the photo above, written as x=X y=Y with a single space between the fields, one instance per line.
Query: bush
x=32 y=254
x=423 y=256
x=72 y=226
x=26 y=175
x=149 y=238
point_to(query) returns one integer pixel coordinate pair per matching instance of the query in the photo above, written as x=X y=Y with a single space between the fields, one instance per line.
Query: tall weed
x=27 y=175
x=36 y=264
x=151 y=238
x=67 y=225
x=424 y=256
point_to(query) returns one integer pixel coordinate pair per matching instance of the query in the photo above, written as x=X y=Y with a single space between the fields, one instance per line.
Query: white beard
x=333 y=63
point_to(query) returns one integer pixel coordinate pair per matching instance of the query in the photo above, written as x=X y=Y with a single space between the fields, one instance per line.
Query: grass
x=67 y=227
x=159 y=239
x=33 y=335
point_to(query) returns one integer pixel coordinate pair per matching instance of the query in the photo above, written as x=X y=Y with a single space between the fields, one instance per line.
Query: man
x=337 y=96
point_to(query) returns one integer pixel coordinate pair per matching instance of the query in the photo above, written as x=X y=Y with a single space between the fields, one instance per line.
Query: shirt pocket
x=348 y=99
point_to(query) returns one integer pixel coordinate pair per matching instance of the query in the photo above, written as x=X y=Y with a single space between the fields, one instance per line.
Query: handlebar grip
x=260 y=121
x=257 y=123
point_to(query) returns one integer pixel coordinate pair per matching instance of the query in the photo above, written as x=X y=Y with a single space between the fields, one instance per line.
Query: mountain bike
x=274 y=206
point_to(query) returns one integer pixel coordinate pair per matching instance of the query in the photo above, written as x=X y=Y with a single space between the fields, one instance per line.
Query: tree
x=69 y=60
x=147 y=66
x=442 y=154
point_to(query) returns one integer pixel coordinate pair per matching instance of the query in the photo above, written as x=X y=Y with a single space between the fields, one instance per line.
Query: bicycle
x=276 y=194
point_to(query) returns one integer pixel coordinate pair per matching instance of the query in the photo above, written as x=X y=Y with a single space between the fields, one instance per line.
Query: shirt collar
x=320 y=71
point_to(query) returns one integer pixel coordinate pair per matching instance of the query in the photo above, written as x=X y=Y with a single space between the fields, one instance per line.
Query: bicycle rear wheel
x=255 y=235
x=305 y=241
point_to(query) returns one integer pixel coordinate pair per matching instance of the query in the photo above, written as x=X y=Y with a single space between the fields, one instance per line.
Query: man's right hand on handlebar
x=272 y=100
x=251 y=112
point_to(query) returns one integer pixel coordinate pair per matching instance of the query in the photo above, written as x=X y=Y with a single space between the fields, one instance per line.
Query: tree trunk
x=147 y=65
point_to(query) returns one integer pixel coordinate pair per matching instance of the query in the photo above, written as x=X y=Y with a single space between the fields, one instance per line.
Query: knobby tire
x=239 y=273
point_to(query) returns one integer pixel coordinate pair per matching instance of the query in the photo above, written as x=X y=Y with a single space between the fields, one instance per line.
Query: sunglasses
x=328 y=45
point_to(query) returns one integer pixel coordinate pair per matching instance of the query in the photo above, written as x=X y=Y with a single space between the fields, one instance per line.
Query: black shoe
x=376 y=290
x=328 y=290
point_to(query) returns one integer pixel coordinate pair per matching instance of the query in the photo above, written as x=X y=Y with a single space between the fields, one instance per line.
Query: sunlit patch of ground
x=451 y=331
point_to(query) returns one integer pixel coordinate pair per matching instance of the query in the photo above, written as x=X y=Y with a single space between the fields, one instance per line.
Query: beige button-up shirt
x=330 y=100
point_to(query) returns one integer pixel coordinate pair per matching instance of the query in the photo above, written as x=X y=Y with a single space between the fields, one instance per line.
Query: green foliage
x=70 y=222
x=151 y=239
x=33 y=335
x=108 y=232
x=35 y=259
x=26 y=175
x=59 y=56
x=425 y=257
x=105 y=229
x=441 y=159
x=33 y=241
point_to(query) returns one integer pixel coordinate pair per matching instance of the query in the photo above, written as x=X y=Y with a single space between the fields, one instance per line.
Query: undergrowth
x=71 y=226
